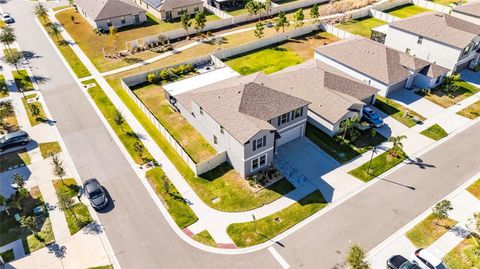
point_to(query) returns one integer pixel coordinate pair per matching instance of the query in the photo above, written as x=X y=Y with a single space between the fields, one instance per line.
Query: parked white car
x=7 y=18
x=427 y=260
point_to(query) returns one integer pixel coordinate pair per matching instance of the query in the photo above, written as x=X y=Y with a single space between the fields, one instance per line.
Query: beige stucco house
x=171 y=9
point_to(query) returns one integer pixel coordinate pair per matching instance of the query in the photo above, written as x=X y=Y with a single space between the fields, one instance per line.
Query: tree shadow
x=93 y=228
x=28 y=55
x=57 y=250
x=40 y=79
x=420 y=163
x=132 y=60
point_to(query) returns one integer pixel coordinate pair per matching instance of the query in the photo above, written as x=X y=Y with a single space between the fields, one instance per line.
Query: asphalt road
x=140 y=236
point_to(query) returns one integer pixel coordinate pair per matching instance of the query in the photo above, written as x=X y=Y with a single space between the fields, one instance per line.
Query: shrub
x=152 y=78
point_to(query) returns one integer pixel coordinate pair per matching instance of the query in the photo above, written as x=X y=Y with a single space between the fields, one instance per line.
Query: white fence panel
x=383 y=16
x=432 y=6
x=336 y=31
x=220 y=13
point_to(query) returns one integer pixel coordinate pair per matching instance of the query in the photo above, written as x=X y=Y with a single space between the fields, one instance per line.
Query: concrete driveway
x=312 y=162
x=412 y=101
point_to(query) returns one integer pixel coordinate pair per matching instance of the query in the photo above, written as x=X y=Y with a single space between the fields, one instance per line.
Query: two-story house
x=439 y=38
x=171 y=9
x=384 y=68
x=468 y=12
x=246 y=119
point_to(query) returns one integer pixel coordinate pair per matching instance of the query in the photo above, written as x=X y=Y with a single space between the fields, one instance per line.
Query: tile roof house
x=102 y=14
x=439 y=38
x=171 y=9
x=245 y=118
x=468 y=12
x=384 y=68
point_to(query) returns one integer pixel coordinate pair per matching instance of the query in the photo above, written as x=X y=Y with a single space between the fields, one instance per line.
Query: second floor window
x=283 y=119
x=259 y=143
x=297 y=113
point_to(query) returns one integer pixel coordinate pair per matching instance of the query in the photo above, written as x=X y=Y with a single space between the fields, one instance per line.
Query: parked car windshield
x=95 y=193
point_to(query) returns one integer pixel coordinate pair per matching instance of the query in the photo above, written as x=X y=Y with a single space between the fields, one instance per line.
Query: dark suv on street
x=19 y=138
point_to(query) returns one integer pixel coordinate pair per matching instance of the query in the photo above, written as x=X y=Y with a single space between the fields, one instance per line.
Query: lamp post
x=374 y=150
x=254 y=223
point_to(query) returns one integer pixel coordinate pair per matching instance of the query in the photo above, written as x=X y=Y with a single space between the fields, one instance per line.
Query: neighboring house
x=333 y=95
x=171 y=9
x=436 y=37
x=469 y=12
x=246 y=119
x=227 y=4
x=102 y=14
x=384 y=68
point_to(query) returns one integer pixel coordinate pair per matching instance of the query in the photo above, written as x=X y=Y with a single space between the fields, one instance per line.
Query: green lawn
x=205 y=238
x=12 y=159
x=474 y=189
x=361 y=26
x=34 y=120
x=426 y=232
x=435 y=132
x=45 y=235
x=49 y=148
x=223 y=182
x=380 y=164
x=445 y=3
x=60 y=7
x=461 y=257
x=406 y=11
x=68 y=54
x=173 y=200
x=268 y=60
x=78 y=217
x=444 y=99
x=397 y=111
x=255 y=232
x=7 y=256
x=22 y=80
x=3 y=87
x=340 y=151
x=124 y=132
x=471 y=112
x=196 y=146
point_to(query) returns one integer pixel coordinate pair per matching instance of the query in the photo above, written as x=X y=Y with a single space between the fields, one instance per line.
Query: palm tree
x=314 y=14
x=7 y=37
x=13 y=58
x=396 y=144
x=267 y=6
x=253 y=7
x=55 y=29
x=347 y=125
x=185 y=21
x=281 y=21
x=41 y=11
x=259 y=30
x=298 y=18
x=199 y=21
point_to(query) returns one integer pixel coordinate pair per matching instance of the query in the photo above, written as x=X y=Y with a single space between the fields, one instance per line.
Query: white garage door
x=289 y=135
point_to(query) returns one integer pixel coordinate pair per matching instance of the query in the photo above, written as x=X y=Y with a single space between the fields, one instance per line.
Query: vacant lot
x=361 y=26
x=448 y=99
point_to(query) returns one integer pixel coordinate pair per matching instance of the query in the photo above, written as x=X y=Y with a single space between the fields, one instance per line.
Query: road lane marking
x=279 y=258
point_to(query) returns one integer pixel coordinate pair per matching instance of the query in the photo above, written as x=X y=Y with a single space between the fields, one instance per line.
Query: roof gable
x=107 y=9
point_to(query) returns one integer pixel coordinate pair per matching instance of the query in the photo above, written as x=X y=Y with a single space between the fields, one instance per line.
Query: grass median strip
x=124 y=132
x=78 y=216
x=49 y=148
x=68 y=54
x=22 y=80
x=380 y=164
x=395 y=110
x=35 y=112
x=471 y=112
x=435 y=132
x=255 y=232
x=474 y=189
x=428 y=231
x=224 y=183
x=463 y=255
x=173 y=200
x=3 y=87
x=205 y=238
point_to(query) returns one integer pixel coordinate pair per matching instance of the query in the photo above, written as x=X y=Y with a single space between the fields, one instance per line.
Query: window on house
x=221 y=129
x=123 y=20
x=180 y=12
x=466 y=50
x=259 y=143
x=407 y=51
x=297 y=113
x=283 y=119
x=259 y=162
x=420 y=40
x=201 y=111
x=109 y=23
x=196 y=9
x=215 y=140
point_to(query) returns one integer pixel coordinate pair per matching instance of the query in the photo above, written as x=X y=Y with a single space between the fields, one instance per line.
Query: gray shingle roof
x=440 y=27
x=172 y=4
x=471 y=9
x=243 y=109
x=376 y=60
x=107 y=9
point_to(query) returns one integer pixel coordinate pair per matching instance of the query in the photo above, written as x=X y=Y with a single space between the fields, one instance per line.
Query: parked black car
x=19 y=138
x=400 y=262
x=95 y=193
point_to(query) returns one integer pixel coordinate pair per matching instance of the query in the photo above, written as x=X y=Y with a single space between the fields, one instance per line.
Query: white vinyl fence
x=383 y=16
x=336 y=31
x=432 y=6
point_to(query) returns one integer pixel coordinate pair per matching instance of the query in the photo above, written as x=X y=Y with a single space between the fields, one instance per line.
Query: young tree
x=267 y=6
x=14 y=58
x=347 y=126
x=112 y=39
x=139 y=148
x=450 y=83
x=29 y=223
x=259 y=30
x=7 y=37
x=441 y=210
x=41 y=12
x=253 y=7
x=55 y=29
x=281 y=21
x=35 y=110
x=58 y=168
x=185 y=21
x=314 y=14
x=18 y=180
x=356 y=258
x=119 y=119
x=65 y=203
x=199 y=22
x=6 y=110
x=396 y=144
x=298 y=18
x=71 y=3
